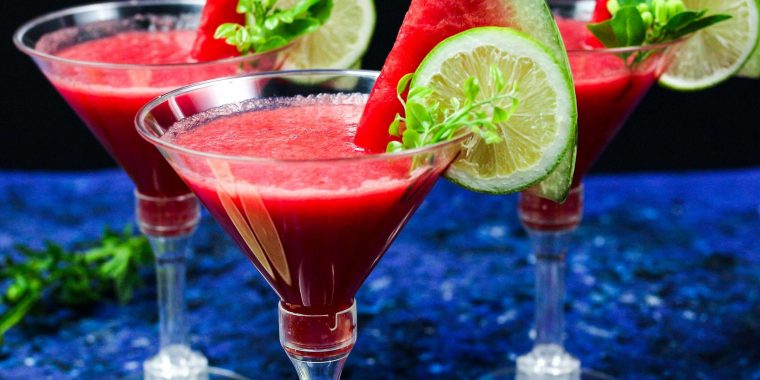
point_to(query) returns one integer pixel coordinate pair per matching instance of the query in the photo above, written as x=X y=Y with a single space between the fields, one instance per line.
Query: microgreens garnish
x=267 y=27
x=71 y=279
x=426 y=121
x=646 y=22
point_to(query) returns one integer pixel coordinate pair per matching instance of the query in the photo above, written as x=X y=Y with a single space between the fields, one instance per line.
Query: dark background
x=716 y=128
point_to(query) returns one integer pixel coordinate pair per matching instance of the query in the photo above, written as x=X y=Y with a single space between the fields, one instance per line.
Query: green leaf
x=699 y=24
x=267 y=27
x=393 y=129
x=497 y=78
x=411 y=138
x=642 y=22
x=419 y=114
x=500 y=115
x=226 y=30
x=419 y=93
x=15 y=314
x=680 y=20
x=403 y=84
x=471 y=88
x=427 y=123
x=394 y=146
x=604 y=33
x=629 y=27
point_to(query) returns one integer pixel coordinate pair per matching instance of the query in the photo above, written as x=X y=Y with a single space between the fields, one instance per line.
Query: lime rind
x=554 y=76
x=706 y=58
x=556 y=186
x=751 y=68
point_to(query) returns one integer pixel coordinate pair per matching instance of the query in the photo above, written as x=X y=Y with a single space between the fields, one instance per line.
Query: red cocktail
x=282 y=175
x=107 y=60
x=609 y=84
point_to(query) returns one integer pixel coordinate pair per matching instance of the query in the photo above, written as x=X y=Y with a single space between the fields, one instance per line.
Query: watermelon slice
x=215 y=13
x=429 y=22
x=600 y=12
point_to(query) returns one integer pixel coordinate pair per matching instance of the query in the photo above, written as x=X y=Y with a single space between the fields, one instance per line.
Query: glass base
x=548 y=361
x=214 y=373
x=510 y=374
x=176 y=362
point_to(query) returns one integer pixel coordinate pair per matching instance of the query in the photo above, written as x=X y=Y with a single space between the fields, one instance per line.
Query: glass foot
x=215 y=373
x=176 y=362
x=548 y=361
x=510 y=374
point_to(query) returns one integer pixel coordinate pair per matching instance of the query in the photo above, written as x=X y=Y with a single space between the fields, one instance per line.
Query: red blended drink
x=107 y=100
x=279 y=170
x=107 y=60
x=312 y=225
x=608 y=88
x=133 y=68
x=108 y=68
x=609 y=84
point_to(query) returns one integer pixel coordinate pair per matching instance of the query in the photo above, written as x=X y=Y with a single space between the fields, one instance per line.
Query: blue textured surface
x=664 y=282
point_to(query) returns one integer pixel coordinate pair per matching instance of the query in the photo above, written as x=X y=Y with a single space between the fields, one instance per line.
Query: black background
x=716 y=128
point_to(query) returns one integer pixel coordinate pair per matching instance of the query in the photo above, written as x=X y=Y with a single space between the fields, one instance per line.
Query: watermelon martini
x=313 y=212
x=609 y=84
x=107 y=60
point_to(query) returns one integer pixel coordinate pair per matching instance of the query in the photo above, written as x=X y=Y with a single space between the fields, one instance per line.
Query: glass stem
x=549 y=249
x=319 y=370
x=550 y=226
x=171 y=256
x=169 y=224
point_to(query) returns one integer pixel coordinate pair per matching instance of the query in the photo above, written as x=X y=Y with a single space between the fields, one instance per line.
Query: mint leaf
x=628 y=26
x=268 y=28
x=604 y=33
x=646 y=22
x=698 y=25
x=427 y=122
x=69 y=278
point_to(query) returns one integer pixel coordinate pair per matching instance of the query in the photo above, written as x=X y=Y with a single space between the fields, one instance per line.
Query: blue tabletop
x=664 y=282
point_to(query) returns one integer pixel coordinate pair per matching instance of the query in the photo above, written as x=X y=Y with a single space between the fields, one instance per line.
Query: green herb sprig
x=647 y=22
x=426 y=121
x=267 y=27
x=71 y=279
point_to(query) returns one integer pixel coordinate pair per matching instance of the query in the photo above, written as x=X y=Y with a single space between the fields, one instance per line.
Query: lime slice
x=714 y=54
x=339 y=43
x=541 y=129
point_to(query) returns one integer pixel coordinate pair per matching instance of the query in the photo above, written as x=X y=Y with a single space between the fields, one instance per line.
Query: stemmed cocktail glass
x=107 y=96
x=609 y=83
x=313 y=226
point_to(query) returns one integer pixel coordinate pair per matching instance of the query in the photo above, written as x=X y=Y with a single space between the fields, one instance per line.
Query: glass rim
x=626 y=49
x=22 y=31
x=159 y=142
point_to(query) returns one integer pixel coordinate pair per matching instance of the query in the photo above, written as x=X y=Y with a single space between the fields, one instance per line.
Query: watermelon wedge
x=215 y=13
x=600 y=12
x=427 y=23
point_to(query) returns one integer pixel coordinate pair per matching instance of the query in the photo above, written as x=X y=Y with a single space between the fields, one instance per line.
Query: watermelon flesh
x=215 y=13
x=600 y=12
x=427 y=23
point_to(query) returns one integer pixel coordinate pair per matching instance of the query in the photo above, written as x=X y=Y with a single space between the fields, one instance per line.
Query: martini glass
x=315 y=227
x=106 y=96
x=609 y=84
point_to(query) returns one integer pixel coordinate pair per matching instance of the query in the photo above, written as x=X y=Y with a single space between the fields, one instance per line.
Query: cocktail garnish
x=426 y=122
x=72 y=279
x=647 y=22
x=268 y=27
